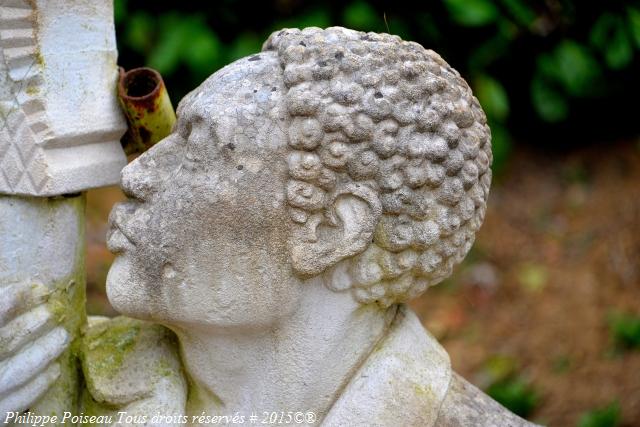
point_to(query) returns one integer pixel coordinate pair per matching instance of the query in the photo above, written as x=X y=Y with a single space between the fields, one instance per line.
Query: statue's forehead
x=242 y=103
x=250 y=85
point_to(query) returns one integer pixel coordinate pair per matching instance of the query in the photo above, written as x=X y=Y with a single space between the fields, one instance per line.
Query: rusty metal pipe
x=147 y=107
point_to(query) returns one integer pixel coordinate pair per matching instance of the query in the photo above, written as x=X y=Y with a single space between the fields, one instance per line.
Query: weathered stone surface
x=306 y=192
x=131 y=366
x=42 y=299
x=465 y=405
x=60 y=124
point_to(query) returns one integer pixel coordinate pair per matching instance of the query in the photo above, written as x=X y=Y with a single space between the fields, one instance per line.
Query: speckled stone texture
x=375 y=110
x=60 y=121
x=305 y=194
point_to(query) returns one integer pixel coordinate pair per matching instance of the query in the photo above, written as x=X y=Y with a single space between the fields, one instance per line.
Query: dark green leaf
x=489 y=51
x=609 y=416
x=398 y=27
x=428 y=26
x=119 y=10
x=472 y=13
x=550 y=105
x=492 y=97
x=516 y=395
x=167 y=53
x=625 y=329
x=573 y=67
x=359 y=15
x=499 y=367
x=533 y=277
x=522 y=13
x=507 y=29
x=547 y=66
x=634 y=24
x=577 y=67
x=610 y=37
x=202 y=51
x=500 y=145
x=245 y=44
x=139 y=32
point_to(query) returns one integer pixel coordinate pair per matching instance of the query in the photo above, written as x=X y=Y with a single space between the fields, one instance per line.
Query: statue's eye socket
x=190 y=160
x=184 y=129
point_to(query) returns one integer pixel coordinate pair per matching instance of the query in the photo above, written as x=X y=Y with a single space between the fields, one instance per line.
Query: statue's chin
x=123 y=293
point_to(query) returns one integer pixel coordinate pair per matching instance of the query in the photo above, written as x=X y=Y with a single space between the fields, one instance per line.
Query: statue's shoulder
x=132 y=366
x=408 y=380
x=403 y=381
x=466 y=405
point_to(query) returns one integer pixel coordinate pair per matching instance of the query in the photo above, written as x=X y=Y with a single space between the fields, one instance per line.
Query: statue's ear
x=344 y=229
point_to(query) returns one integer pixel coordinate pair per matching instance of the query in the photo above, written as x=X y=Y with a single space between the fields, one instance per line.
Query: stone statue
x=269 y=243
x=60 y=130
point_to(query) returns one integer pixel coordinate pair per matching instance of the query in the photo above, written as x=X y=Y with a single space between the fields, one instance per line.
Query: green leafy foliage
x=610 y=36
x=516 y=395
x=245 y=44
x=500 y=145
x=608 y=416
x=360 y=15
x=136 y=36
x=119 y=10
x=572 y=66
x=625 y=330
x=548 y=102
x=472 y=13
x=532 y=277
x=492 y=97
x=534 y=67
x=488 y=52
x=185 y=40
x=520 y=11
x=499 y=367
x=633 y=15
x=495 y=102
x=506 y=385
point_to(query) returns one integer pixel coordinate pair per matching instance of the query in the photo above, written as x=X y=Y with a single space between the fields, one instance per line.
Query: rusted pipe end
x=140 y=85
x=146 y=105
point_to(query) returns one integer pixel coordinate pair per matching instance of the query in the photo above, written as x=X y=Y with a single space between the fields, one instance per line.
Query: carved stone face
x=329 y=146
x=202 y=240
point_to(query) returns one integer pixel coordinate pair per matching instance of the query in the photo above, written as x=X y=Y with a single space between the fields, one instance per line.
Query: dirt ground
x=558 y=255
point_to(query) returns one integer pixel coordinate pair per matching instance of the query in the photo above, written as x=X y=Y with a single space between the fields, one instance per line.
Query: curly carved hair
x=386 y=113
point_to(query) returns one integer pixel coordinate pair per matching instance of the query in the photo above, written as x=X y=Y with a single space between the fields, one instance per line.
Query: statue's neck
x=301 y=364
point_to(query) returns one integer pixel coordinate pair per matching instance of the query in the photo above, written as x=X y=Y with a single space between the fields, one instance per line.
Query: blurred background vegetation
x=544 y=314
x=556 y=73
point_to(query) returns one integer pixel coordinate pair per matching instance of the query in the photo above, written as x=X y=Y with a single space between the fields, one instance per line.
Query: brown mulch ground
x=558 y=254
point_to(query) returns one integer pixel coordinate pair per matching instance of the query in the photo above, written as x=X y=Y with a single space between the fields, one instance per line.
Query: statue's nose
x=138 y=181
x=144 y=176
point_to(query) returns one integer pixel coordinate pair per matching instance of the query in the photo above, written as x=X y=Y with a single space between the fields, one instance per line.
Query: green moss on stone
x=91 y=407
x=67 y=303
x=199 y=398
x=105 y=345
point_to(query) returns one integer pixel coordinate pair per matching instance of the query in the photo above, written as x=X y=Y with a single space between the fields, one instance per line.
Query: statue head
x=359 y=161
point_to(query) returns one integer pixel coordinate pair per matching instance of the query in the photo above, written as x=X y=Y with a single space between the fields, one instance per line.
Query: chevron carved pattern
x=23 y=121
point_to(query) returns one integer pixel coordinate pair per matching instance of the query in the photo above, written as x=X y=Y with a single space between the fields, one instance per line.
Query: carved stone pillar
x=43 y=244
x=60 y=127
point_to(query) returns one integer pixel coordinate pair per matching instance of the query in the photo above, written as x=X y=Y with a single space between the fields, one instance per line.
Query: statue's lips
x=118 y=239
